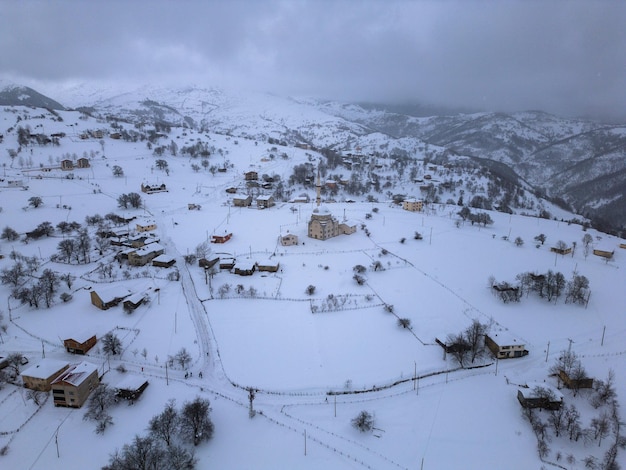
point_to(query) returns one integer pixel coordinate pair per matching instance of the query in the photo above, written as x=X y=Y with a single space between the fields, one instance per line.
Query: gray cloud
x=563 y=57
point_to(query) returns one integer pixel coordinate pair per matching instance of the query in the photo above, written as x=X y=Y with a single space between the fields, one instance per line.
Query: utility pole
x=603 y=330
x=547 y=351
x=305 y=442
x=167 y=380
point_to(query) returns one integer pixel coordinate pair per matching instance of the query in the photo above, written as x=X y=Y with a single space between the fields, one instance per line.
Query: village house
x=302 y=199
x=194 y=207
x=264 y=202
x=144 y=255
x=561 y=250
x=80 y=343
x=413 y=205
x=67 y=165
x=40 y=376
x=110 y=297
x=540 y=395
x=82 y=163
x=146 y=226
x=150 y=188
x=604 y=251
x=73 y=386
x=289 y=239
x=242 y=200
x=504 y=346
x=251 y=176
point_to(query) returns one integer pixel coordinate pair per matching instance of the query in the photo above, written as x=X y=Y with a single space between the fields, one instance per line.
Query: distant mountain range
x=579 y=164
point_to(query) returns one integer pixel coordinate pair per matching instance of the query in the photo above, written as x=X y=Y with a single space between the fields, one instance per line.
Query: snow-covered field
x=273 y=342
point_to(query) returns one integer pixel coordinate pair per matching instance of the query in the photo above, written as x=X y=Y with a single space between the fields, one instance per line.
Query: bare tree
x=183 y=358
x=111 y=344
x=364 y=421
x=404 y=322
x=9 y=234
x=195 y=422
x=164 y=425
x=35 y=201
x=101 y=399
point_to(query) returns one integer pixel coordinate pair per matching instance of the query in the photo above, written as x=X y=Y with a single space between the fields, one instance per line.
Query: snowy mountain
x=579 y=164
x=19 y=95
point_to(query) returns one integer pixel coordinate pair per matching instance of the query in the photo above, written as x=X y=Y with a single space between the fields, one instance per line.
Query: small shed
x=575 y=383
x=227 y=262
x=540 y=395
x=164 y=261
x=80 y=343
x=131 y=387
x=134 y=301
x=221 y=238
x=208 y=263
x=268 y=266
x=245 y=268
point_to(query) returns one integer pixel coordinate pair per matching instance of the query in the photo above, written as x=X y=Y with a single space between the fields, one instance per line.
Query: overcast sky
x=566 y=57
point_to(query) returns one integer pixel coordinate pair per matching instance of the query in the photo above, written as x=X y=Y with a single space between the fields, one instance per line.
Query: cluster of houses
x=245 y=267
x=72 y=383
x=142 y=248
x=245 y=200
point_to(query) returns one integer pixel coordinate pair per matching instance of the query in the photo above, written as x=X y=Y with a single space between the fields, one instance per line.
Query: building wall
x=65 y=394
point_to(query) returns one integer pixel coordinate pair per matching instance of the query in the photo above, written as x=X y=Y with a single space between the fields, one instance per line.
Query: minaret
x=318 y=187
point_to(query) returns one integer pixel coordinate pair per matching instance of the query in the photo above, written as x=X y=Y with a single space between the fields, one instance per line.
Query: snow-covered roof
x=76 y=374
x=530 y=392
x=264 y=198
x=245 y=265
x=164 y=258
x=109 y=294
x=81 y=335
x=44 y=369
x=504 y=338
x=136 y=298
x=130 y=382
x=151 y=248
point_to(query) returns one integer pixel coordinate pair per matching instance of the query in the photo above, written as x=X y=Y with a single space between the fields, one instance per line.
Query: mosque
x=323 y=225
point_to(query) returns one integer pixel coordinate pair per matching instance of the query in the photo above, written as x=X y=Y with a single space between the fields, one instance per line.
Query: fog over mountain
x=564 y=58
